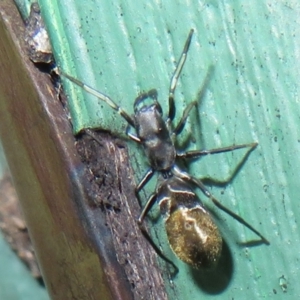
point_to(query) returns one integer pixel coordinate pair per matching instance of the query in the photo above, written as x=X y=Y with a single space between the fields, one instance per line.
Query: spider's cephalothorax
x=192 y=234
x=153 y=133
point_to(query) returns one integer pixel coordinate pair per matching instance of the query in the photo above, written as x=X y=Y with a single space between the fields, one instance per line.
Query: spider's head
x=146 y=102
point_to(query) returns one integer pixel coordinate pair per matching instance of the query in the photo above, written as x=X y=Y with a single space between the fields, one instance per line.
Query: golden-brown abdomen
x=194 y=237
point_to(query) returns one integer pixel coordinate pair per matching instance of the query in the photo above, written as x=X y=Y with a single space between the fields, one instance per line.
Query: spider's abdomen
x=192 y=233
x=194 y=237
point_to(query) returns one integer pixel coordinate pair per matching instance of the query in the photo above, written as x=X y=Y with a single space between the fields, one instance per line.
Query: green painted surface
x=252 y=94
x=16 y=283
x=24 y=7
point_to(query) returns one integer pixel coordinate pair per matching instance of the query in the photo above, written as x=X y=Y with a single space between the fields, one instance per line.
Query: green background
x=252 y=94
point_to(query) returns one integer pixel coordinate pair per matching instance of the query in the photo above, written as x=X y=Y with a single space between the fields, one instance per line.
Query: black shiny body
x=154 y=135
x=191 y=232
